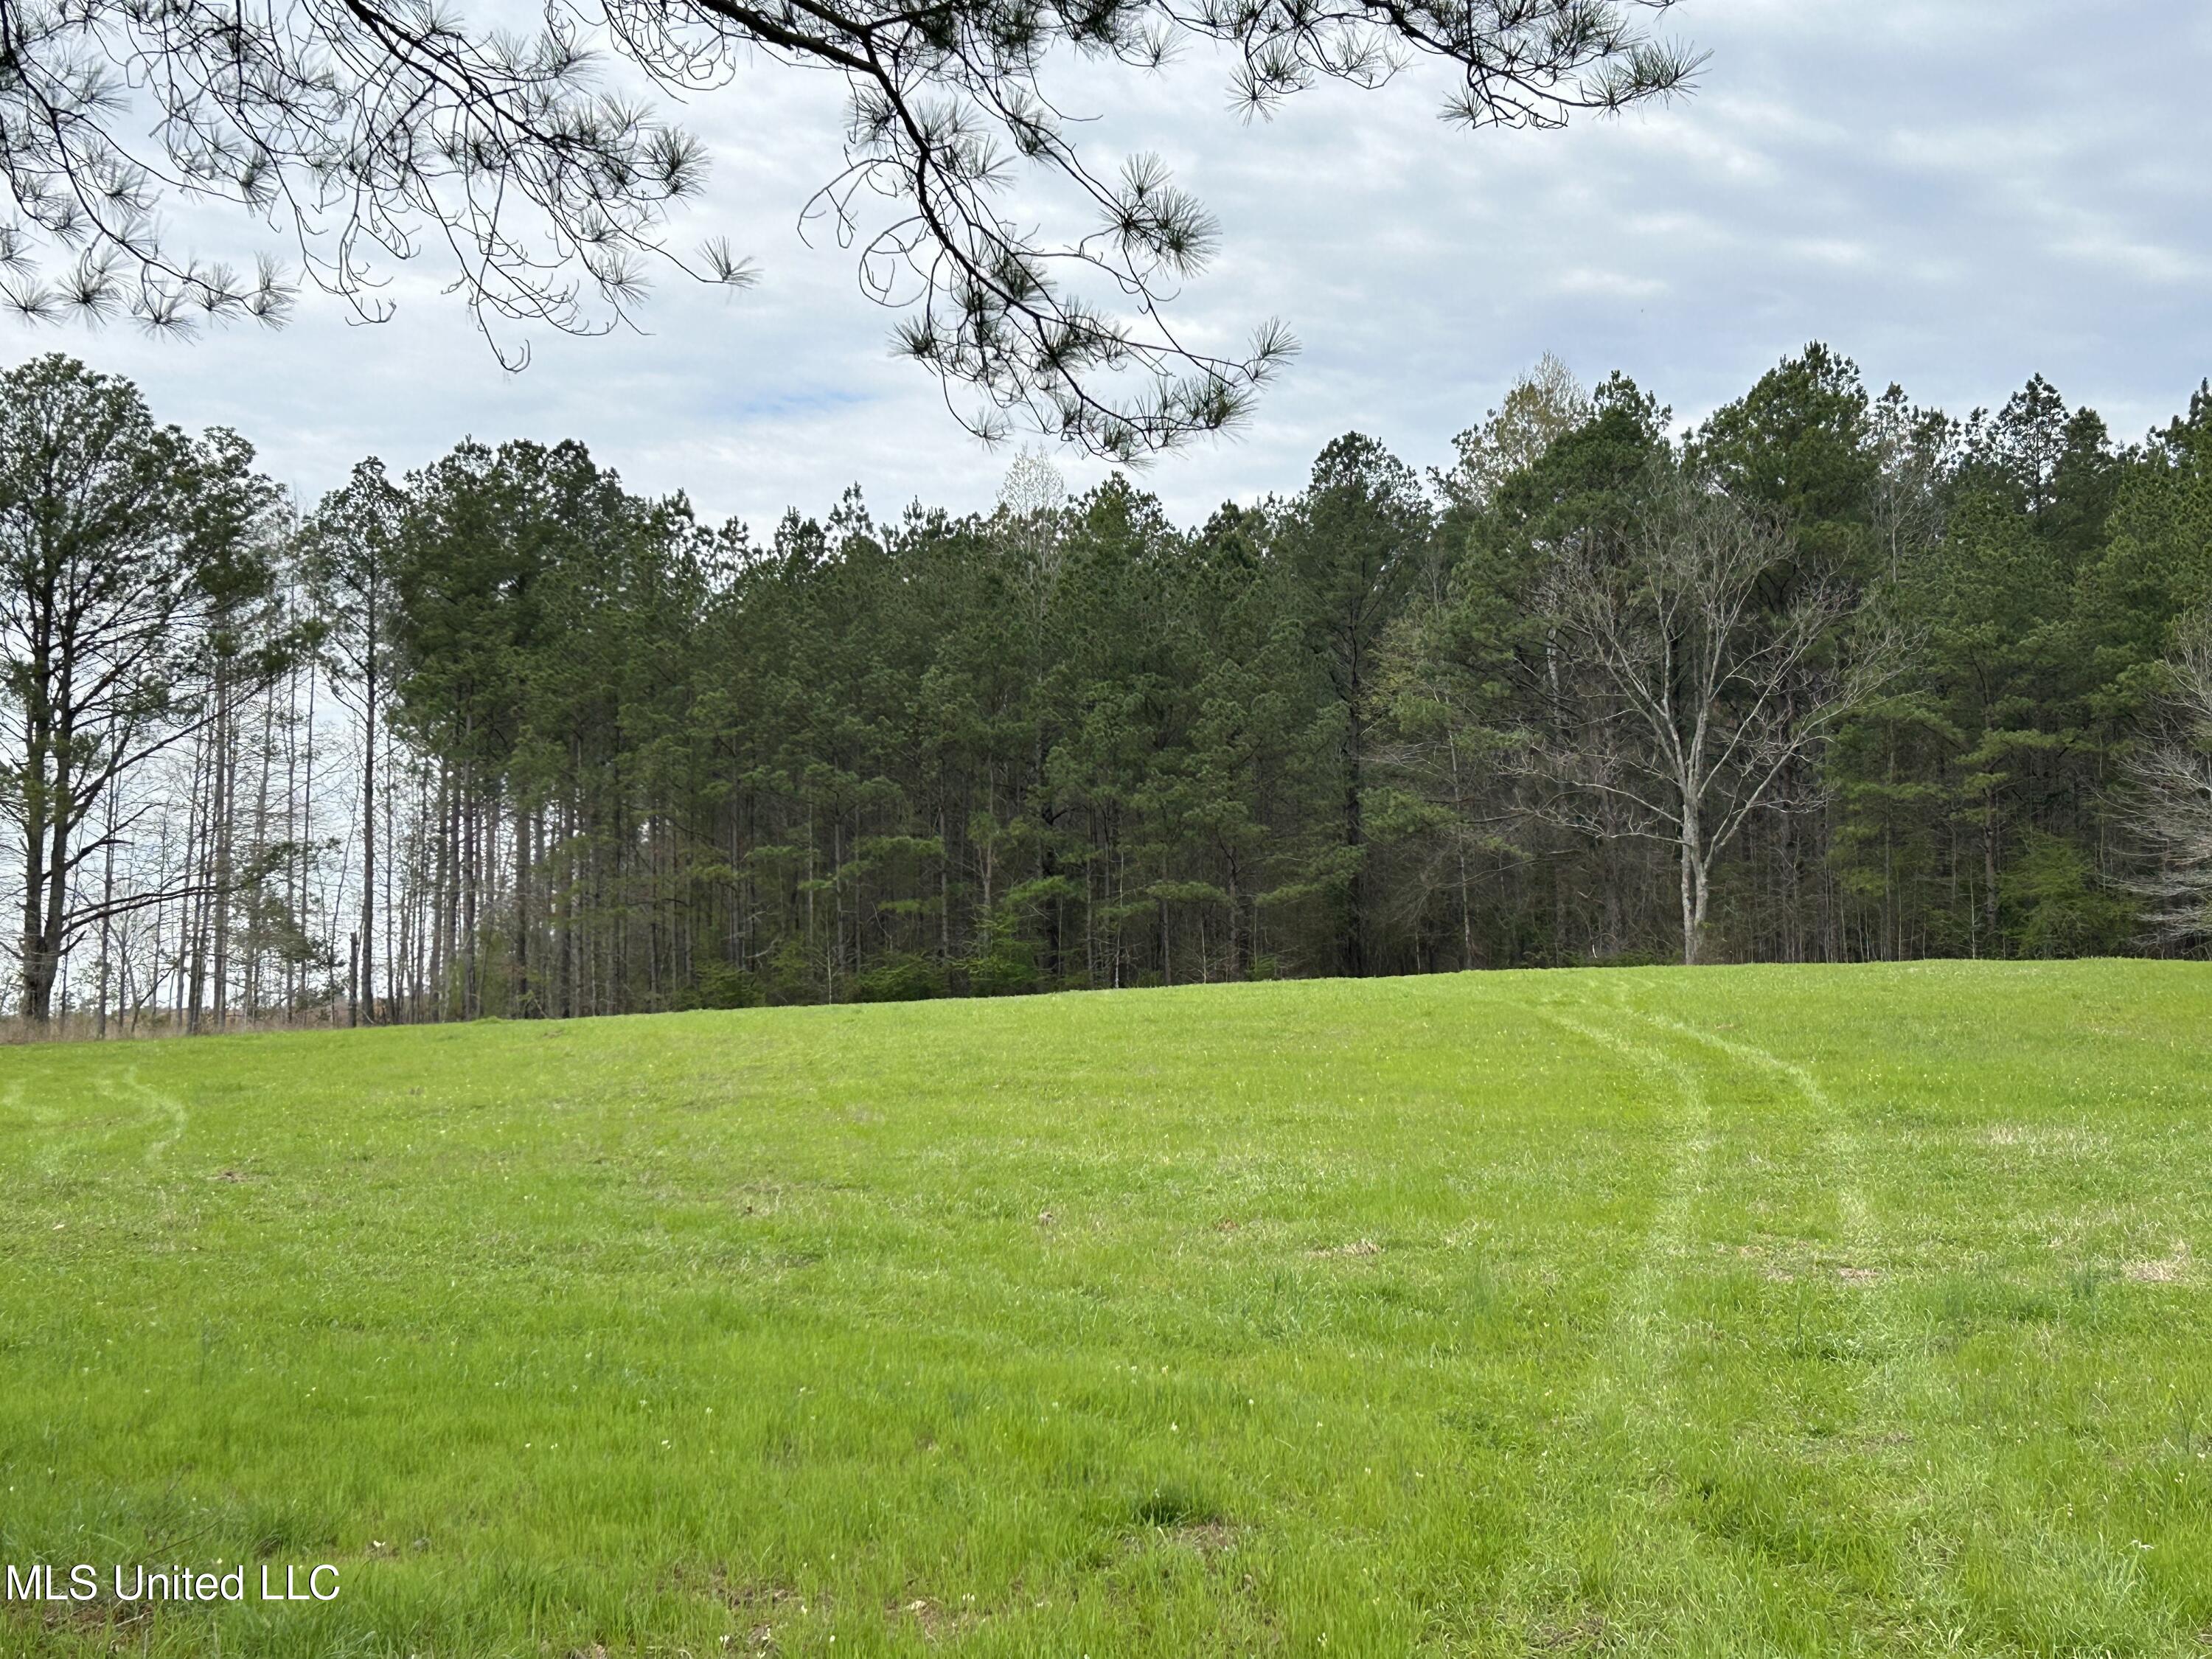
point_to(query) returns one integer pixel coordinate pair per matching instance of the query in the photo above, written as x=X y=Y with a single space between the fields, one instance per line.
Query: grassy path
x=1582 y=1515
x=1744 y=1311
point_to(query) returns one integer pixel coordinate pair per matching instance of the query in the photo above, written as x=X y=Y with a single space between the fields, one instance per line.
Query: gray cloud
x=1956 y=194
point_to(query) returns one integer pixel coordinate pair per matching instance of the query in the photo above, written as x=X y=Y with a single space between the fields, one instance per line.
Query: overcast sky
x=1955 y=193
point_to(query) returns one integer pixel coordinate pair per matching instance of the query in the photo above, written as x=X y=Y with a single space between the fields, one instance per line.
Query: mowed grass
x=1733 y=1312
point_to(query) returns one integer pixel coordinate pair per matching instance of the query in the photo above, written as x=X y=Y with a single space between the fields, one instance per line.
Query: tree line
x=1828 y=676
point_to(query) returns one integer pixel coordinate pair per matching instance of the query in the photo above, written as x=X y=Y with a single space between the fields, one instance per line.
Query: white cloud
x=1956 y=194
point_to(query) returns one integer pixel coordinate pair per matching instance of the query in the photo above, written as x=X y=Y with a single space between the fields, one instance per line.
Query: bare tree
x=1683 y=693
x=2168 y=797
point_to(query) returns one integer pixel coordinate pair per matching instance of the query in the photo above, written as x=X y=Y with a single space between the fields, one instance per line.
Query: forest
x=1826 y=677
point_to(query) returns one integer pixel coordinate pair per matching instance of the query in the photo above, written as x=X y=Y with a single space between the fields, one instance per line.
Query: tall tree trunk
x=203 y=771
x=226 y=851
x=1693 y=886
x=1989 y=870
x=368 y=823
x=107 y=916
x=1354 y=942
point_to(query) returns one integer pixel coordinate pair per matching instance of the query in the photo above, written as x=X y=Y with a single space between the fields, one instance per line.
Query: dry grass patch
x=2171 y=1268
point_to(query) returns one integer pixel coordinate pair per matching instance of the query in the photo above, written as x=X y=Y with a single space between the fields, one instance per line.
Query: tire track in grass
x=1895 y=1387
x=1862 y=1237
x=1666 y=1239
x=1625 y=1374
x=1903 y=1389
x=1942 y=1488
x=154 y=1111
x=159 y=1106
x=63 y=1136
x=1903 y=1383
x=1614 y=1509
x=2107 y=1581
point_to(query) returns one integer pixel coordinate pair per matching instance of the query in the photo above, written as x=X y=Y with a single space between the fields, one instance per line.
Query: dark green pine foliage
x=628 y=761
x=1352 y=543
x=1075 y=745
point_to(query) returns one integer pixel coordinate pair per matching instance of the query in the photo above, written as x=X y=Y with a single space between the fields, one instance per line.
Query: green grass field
x=1739 y=1310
